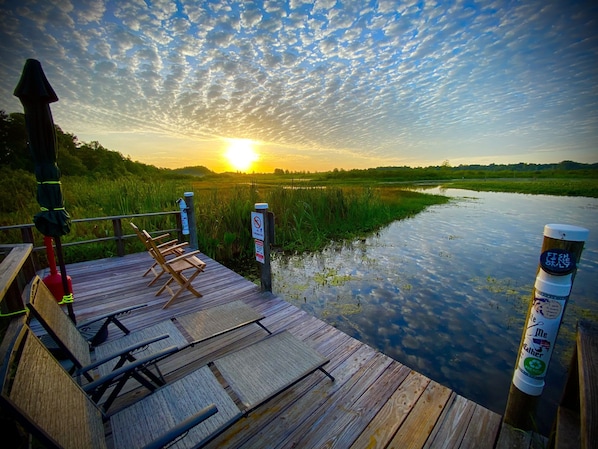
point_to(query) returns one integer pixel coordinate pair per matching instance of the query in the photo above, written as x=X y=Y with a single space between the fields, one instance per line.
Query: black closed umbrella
x=36 y=94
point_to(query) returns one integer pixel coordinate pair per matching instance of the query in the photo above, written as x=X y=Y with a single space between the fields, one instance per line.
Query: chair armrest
x=123 y=352
x=184 y=256
x=178 y=246
x=168 y=243
x=110 y=315
x=100 y=334
x=160 y=237
x=182 y=427
x=126 y=369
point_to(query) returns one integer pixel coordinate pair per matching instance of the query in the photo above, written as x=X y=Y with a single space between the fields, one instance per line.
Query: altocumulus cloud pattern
x=367 y=82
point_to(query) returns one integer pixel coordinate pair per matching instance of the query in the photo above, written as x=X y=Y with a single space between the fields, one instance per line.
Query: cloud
x=371 y=79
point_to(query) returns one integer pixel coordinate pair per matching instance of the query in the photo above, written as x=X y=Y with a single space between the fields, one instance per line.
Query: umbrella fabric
x=36 y=94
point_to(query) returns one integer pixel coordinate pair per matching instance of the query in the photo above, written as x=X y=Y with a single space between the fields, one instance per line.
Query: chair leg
x=188 y=286
x=150 y=270
x=185 y=286
x=157 y=276
x=165 y=286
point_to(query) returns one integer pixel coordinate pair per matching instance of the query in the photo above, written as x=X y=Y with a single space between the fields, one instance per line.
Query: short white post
x=561 y=251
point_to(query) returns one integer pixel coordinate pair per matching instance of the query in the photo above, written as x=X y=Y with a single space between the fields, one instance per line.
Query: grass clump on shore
x=555 y=186
x=307 y=219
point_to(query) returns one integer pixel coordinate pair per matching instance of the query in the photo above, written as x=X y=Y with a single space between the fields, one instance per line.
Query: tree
x=68 y=162
x=13 y=142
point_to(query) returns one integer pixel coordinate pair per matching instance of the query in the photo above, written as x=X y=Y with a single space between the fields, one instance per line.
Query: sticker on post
x=557 y=262
x=257 y=225
x=259 y=251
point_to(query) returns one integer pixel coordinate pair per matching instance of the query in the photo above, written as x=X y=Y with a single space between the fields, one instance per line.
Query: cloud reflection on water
x=446 y=292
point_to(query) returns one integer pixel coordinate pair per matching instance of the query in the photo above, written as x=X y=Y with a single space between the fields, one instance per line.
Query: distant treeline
x=92 y=160
x=75 y=158
x=445 y=171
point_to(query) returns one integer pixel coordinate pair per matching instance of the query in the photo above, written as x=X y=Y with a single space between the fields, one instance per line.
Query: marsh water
x=446 y=292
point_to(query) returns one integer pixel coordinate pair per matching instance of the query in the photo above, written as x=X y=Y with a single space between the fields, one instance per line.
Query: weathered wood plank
x=375 y=402
x=483 y=429
x=353 y=413
x=587 y=363
x=391 y=416
x=452 y=425
x=421 y=420
x=12 y=263
x=310 y=430
x=567 y=434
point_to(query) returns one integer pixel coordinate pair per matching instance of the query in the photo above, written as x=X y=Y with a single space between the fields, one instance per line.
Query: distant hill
x=198 y=170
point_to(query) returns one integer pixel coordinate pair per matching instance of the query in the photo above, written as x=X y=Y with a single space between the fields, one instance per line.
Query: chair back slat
x=153 y=248
x=140 y=235
x=50 y=402
x=50 y=315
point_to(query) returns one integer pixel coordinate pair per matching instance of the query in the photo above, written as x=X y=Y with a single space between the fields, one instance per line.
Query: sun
x=240 y=154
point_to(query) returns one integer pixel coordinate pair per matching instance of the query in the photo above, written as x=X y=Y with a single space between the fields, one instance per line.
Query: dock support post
x=262 y=231
x=561 y=251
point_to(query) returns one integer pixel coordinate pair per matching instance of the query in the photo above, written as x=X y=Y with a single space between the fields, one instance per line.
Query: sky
x=315 y=85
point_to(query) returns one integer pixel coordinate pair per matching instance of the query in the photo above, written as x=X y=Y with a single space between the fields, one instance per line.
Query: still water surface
x=446 y=292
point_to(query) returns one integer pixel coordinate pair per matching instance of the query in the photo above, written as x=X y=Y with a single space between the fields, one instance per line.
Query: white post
x=561 y=251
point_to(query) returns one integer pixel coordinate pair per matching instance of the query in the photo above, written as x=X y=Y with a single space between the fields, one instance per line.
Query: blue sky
x=316 y=85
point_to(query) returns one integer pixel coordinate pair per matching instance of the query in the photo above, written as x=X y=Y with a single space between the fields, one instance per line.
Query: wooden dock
x=375 y=402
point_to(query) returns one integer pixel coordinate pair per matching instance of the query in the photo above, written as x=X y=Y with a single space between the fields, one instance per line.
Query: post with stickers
x=560 y=254
x=262 y=231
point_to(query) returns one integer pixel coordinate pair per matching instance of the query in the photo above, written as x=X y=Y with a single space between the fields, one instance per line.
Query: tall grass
x=306 y=219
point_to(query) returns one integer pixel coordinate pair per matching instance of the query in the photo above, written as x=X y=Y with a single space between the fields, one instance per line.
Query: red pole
x=50 y=253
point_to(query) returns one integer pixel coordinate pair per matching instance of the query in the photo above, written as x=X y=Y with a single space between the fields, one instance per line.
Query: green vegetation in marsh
x=307 y=219
x=554 y=186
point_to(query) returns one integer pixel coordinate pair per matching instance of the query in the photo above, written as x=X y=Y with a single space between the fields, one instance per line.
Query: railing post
x=561 y=251
x=193 y=243
x=27 y=235
x=179 y=227
x=262 y=232
x=118 y=235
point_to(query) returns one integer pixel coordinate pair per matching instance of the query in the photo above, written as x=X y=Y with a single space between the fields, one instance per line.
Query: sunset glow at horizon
x=240 y=154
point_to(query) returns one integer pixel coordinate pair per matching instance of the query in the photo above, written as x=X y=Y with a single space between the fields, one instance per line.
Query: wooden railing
x=119 y=236
x=16 y=270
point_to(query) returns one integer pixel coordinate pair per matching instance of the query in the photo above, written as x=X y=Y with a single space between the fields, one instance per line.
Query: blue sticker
x=557 y=262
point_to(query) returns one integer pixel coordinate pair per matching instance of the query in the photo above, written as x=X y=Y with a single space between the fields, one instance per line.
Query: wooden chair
x=48 y=403
x=176 y=268
x=168 y=248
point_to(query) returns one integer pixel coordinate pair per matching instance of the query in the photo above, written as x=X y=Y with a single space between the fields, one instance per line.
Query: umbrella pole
x=65 y=283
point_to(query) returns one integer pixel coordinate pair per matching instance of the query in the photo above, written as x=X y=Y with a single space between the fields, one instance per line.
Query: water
x=446 y=292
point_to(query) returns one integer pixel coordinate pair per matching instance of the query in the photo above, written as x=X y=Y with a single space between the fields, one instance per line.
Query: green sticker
x=534 y=366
